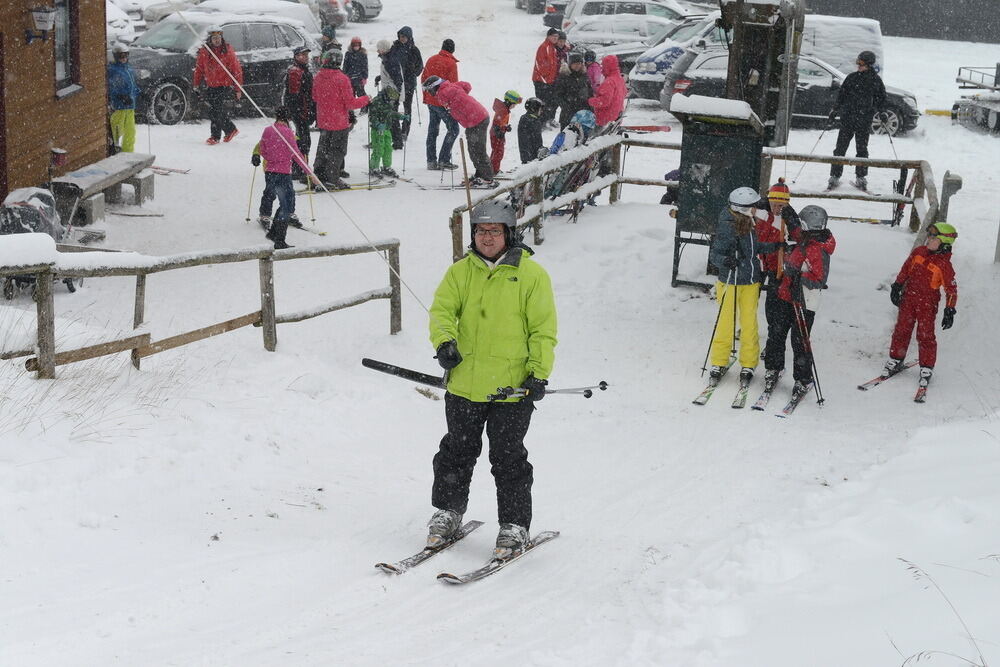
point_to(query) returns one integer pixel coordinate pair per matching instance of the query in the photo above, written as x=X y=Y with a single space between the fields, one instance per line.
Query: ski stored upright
x=497 y=564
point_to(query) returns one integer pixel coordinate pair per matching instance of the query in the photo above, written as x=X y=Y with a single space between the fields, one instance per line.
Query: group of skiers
x=751 y=252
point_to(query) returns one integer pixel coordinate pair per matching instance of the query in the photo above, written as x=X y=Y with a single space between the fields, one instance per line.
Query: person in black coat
x=404 y=64
x=572 y=90
x=861 y=96
x=529 y=130
x=356 y=67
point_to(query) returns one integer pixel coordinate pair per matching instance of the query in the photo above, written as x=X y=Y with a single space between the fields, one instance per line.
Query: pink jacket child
x=610 y=98
x=276 y=153
x=334 y=98
x=595 y=75
x=463 y=107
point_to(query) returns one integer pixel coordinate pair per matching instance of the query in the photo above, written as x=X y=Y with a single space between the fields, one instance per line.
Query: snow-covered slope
x=225 y=505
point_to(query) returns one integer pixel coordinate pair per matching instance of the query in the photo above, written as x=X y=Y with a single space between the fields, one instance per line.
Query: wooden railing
x=531 y=178
x=140 y=267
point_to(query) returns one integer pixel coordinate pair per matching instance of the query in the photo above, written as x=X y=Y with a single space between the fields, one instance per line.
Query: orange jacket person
x=220 y=89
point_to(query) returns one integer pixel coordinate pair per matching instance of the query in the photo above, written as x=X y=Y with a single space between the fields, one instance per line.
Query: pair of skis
x=742 y=393
x=919 y=397
x=492 y=567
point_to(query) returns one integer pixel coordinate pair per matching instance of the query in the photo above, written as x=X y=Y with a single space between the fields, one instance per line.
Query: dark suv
x=703 y=72
x=163 y=61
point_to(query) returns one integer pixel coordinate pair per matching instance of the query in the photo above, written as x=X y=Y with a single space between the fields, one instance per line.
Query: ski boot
x=925 y=375
x=802 y=388
x=892 y=367
x=442 y=526
x=511 y=541
x=293 y=221
x=447 y=166
x=389 y=172
x=861 y=183
x=715 y=374
x=832 y=183
x=746 y=376
x=433 y=166
x=344 y=174
x=771 y=379
x=265 y=221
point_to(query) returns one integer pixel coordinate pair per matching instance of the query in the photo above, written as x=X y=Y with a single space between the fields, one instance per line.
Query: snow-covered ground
x=225 y=505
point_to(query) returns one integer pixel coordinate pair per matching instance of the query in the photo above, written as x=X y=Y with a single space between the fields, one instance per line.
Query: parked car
x=704 y=72
x=599 y=31
x=531 y=6
x=365 y=10
x=163 y=59
x=118 y=27
x=835 y=39
x=628 y=52
x=134 y=11
x=646 y=78
x=289 y=10
x=577 y=10
x=555 y=10
x=334 y=12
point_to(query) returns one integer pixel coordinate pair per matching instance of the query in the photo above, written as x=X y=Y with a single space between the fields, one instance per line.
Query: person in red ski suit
x=805 y=272
x=772 y=216
x=501 y=126
x=917 y=293
x=220 y=89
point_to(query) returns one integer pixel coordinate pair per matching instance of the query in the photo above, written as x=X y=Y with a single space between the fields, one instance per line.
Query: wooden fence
x=142 y=346
x=922 y=193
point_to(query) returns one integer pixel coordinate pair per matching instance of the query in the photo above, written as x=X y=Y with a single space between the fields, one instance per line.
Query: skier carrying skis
x=381 y=113
x=277 y=149
x=471 y=115
x=490 y=333
x=805 y=272
x=220 y=88
x=861 y=95
x=734 y=253
x=916 y=292
x=501 y=126
x=529 y=131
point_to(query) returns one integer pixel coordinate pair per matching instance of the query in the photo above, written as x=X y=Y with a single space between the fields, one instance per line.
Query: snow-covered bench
x=86 y=189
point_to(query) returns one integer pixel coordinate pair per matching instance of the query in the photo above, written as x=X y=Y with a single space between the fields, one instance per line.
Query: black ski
x=399 y=567
x=497 y=564
x=874 y=382
x=405 y=373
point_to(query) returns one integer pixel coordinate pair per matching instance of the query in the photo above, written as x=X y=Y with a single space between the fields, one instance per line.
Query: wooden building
x=52 y=91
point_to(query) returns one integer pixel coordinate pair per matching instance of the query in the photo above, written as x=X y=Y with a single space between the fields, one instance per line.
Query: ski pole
x=312 y=211
x=521 y=392
x=250 y=199
x=722 y=304
x=810 y=154
x=800 y=320
x=368 y=120
x=891 y=142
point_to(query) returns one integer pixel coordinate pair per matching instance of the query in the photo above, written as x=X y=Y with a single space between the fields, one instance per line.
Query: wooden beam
x=779 y=154
x=395 y=300
x=46 y=326
x=198 y=334
x=93 y=351
x=382 y=293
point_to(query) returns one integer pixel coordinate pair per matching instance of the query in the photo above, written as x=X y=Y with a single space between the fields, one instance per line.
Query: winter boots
x=265 y=221
x=511 y=541
x=861 y=183
x=925 y=375
x=832 y=183
x=447 y=166
x=433 y=166
x=442 y=527
x=277 y=233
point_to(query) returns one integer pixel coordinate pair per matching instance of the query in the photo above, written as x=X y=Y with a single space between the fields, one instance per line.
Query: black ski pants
x=506 y=425
x=860 y=135
x=546 y=93
x=302 y=140
x=330 y=153
x=780 y=320
x=220 y=102
x=476 y=139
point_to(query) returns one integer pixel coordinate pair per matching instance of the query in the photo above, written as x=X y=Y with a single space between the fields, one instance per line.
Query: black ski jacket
x=572 y=90
x=529 y=137
x=860 y=96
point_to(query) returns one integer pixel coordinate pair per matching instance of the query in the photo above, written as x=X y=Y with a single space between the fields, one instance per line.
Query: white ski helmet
x=741 y=200
x=813 y=218
x=497 y=211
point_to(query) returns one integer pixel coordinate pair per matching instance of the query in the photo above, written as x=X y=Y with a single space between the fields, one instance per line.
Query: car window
x=630 y=8
x=595 y=8
x=813 y=74
x=630 y=26
x=715 y=62
x=292 y=38
x=593 y=26
x=168 y=35
x=660 y=10
x=686 y=31
x=260 y=36
x=717 y=36
x=233 y=34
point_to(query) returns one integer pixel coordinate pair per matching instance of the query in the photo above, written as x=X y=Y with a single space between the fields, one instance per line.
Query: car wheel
x=892 y=125
x=357 y=14
x=535 y=7
x=168 y=105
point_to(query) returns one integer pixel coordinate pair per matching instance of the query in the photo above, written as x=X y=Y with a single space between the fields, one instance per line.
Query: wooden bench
x=86 y=189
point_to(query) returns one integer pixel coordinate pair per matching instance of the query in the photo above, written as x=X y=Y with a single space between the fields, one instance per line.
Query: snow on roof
x=27 y=250
x=711 y=106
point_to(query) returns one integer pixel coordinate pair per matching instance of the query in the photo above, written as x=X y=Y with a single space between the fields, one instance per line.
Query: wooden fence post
x=395 y=301
x=267 y=323
x=46 y=326
x=537 y=195
x=616 y=167
x=140 y=311
x=456 y=237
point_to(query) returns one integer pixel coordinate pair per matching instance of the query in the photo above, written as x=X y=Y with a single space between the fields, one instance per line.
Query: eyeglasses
x=495 y=233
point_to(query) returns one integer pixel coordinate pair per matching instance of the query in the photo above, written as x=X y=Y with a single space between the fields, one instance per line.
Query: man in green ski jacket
x=493 y=324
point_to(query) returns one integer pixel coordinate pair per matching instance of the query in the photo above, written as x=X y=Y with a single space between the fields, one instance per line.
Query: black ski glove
x=730 y=262
x=378 y=80
x=896 y=294
x=791 y=218
x=255 y=159
x=448 y=355
x=948 y=319
x=535 y=388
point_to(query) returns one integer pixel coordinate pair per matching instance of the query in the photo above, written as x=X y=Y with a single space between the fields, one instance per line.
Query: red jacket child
x=917 y=292
x=501 y=126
